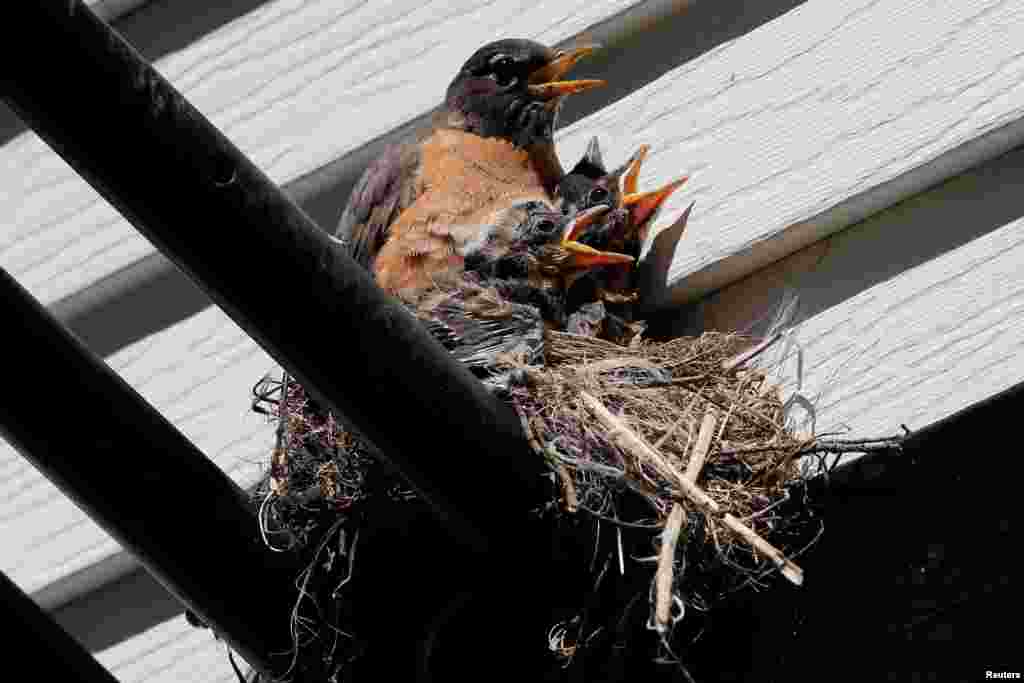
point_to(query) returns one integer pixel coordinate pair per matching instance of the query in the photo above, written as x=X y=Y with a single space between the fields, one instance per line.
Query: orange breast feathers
x=464 y=182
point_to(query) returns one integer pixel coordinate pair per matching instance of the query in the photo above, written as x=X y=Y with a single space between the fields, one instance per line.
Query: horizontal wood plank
x=816 y=120
x=915 y=348
x=907 y=317
x=295 y=84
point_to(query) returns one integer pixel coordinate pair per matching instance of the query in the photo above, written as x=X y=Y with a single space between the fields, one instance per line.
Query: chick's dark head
x=589 y=183
x=533 y=255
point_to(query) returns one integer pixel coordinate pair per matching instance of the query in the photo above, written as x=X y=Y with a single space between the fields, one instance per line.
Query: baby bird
x=512 y=289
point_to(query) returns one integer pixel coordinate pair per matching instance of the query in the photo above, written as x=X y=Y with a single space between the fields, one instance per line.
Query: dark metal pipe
x=143 y=481
x=46 y=650
x=287 y=283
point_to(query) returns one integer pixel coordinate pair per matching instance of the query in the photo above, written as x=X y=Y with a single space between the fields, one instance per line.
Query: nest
x=310 y=503
x=676 y=443
x=672 y=458
x=666 y=394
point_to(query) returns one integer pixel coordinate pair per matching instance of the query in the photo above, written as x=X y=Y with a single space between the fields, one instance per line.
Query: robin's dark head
x=513 y=89
x=588 y=184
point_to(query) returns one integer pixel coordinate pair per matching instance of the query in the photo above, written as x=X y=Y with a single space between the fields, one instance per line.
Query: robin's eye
x=598 y=195
x=504 y=70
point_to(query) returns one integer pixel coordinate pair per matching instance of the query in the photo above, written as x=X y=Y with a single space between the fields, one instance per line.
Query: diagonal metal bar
x=40 y=643
x=221 y=220
x=137 y=476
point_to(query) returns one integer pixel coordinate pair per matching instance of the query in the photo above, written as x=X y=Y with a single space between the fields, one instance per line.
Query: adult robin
x=423 y=204
x=512 y=289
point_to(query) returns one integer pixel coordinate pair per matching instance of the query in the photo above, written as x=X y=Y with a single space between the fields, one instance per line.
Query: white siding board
x=917 y=347
x=198 y=375
x=295 y=84
x=817 y=119
x=170 y=651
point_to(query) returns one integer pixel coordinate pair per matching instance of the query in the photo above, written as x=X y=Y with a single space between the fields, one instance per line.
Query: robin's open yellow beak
x=549 y=91
x=545 y=83
x=629 y=181
x=583 y=221
x=580 y=256
x=583 y=257
x=643 y=205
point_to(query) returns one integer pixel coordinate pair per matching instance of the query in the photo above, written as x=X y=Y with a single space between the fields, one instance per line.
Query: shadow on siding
x=126 y=607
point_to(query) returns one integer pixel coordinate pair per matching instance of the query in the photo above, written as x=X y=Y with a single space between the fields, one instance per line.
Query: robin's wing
x=386 y=187
x=476 y=325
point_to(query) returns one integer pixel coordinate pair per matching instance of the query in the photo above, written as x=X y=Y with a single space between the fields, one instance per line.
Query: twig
x=703 y=445
x=629 y=441
x=763 y=511
x=788 y=568
x=685 y=380
x=674 y=382
x=606 y=364
x=665 y=573
x=572 y=502
x=855 y=446
x=672 y=430
x=725 y=421
x=882 y=443
x=531 y=438
x=685 y=416
x=666 y=562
